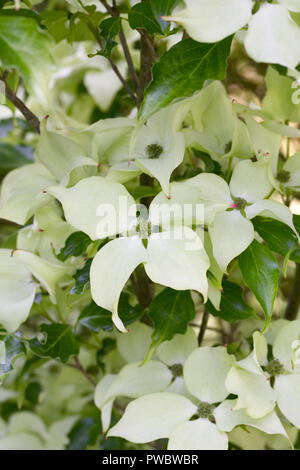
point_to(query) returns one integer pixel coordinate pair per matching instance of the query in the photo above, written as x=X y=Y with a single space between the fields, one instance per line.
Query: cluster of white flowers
x=68 y=169
x=196 y=397
x=273 y=33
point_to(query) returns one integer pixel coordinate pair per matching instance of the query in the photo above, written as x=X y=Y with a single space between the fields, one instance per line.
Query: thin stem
x=294 y=298
x=228 y=173
x=114 y=12
x=108 y=7
x=29 y=116
x=288 y=143
x=122 y=80
x=203 y=327
x=130 y=62
x=112 y=64
x=79 y=367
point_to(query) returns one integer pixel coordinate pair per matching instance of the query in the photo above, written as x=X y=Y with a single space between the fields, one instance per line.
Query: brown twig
x=79 y=367
x=108 y=7
x=203 y=327
x=122 y=80
x=148 y=58
x=130 y=63
x=95 y=32
x=294 y=297
x=114 y=12
x=12 y=97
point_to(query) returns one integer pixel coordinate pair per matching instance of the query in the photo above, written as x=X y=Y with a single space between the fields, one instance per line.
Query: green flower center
x=154 y=151
x=240 y=203
x=284 y=176
x=143 y=228
x=205 y=410
x=274 y=368
x=177 y=370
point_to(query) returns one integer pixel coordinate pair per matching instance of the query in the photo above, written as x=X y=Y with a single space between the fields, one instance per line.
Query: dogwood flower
x=286 y=369
x=213 y=21
x=248 y=381
x=228 y=210
x=158 y=146
x=61 y=155
x=250 y=378
x=289 y=175
x=164 y=373
x=168 y=415
x=47 y=235
x=26 y=431
x=24 y=190
x=217 y=129
x=17 y=287
x=93 y=206
x=272 y=35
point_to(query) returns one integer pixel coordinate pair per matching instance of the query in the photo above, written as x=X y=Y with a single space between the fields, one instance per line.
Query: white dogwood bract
x=210 y=375
x=272 y=35
x=213 y=365
x=121 y=256
x=22 y=192
x=213 y=21
x=17 y=286
x=228 y=418
x=152 y=417
x=217 y=127
x=86 y=204
x=158 y=148
x=199 y=434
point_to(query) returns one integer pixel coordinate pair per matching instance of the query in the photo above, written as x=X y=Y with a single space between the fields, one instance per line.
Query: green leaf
x=296 y=220
x=82 y=278
x=164 y=8
x=11 y=157
x=96 y=318
x=33 y=391
x=85 y=432
x=279 y=236
x=56 y=23
x=141 y=16
x=261 y=274
x=140 y=192
x=233 y=306
x=75 y=245
x=14 y=348
x=59 y=342
x=109 y=28
x=171 y=312
x=211 y=166
x=147 y=15
x=26 y=48
x=183 y=70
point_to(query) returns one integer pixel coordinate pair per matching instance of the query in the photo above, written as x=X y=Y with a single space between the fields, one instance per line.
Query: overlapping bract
x=272 y=35
x=208 y=376
x=87 y=171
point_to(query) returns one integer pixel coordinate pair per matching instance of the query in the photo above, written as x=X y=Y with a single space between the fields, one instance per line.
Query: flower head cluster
x=194 y=410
